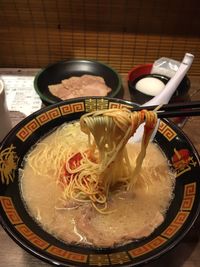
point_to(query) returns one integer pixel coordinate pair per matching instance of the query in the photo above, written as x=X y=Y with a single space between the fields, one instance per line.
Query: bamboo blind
x=121 y=33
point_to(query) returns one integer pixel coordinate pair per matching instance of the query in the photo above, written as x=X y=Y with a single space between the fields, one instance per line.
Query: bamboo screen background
x=121 y=33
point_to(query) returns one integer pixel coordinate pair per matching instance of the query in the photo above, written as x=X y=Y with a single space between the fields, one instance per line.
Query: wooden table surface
x=185 y=254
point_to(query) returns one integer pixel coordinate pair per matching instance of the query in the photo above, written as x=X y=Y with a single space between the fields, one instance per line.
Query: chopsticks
x=175 y=110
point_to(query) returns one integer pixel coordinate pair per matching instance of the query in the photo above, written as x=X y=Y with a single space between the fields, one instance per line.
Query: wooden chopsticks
x=175 y=110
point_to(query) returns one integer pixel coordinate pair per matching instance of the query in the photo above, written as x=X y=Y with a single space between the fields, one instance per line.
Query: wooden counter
x=186 y=254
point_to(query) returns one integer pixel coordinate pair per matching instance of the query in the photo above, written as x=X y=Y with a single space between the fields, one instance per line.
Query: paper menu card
x=20 y=93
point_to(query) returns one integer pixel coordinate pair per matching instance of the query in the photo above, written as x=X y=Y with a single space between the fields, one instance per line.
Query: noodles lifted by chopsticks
x=88 y=175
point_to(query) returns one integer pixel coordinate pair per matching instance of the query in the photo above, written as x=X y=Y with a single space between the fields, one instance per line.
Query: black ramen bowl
x=17 y=222
x=55 y=73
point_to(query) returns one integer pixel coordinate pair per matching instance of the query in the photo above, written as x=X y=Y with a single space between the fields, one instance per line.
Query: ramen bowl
x=23 y=229
x=55 y=73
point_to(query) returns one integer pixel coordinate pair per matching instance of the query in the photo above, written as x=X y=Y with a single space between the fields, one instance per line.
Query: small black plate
x=55 y=73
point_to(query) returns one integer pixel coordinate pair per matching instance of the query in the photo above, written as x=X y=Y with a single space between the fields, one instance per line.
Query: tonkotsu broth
x=135 y=215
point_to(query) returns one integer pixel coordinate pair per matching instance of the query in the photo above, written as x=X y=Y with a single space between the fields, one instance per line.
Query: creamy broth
x=133 y=214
